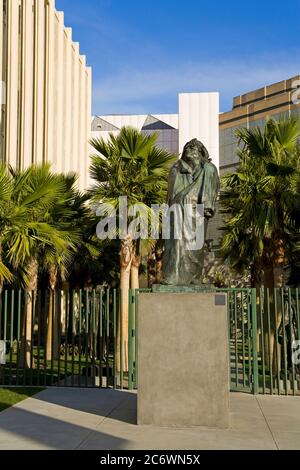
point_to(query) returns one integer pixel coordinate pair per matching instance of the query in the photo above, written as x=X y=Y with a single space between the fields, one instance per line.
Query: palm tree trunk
x=151 y=268
x=256 y=282
x=52 y=326
x=256 y=275
x=154 y=266
x=135 y=267
x=158 y=264
x=25 y=358
x=126 y=255
x=276 y=314
x=272 y=280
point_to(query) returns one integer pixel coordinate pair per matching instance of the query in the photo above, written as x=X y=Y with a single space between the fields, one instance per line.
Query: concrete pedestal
x=183 y=360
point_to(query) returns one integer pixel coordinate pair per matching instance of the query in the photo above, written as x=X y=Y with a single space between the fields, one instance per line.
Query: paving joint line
x=93 y=431
x=267 y=423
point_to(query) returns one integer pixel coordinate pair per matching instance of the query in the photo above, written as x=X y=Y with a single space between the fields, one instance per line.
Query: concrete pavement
x=93 y=419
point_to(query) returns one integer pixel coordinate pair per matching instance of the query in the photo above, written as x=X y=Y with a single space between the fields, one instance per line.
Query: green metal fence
x=263 y=330
x=67 y=339
x=74 y=339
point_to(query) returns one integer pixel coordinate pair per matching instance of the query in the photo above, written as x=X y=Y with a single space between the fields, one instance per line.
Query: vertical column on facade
x=50 y=137
x=213 y=128
x=88 y=105
x=27 y=85
x=82 y=123
x=75 y=117
x=1 y=38
x=59 y=91
x=250 y=115
x=67 y=86
x=12 y=84
x=290 y=99
x=198 y=113
x=40 y=23
x=2 y=52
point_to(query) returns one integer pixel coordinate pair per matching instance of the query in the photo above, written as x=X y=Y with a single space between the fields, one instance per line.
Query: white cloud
x=127 y=90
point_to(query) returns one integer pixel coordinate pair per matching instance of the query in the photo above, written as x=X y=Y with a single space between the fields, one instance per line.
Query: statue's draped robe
x=182 y=266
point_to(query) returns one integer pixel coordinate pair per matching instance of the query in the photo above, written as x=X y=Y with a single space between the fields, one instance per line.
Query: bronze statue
x=193 y=180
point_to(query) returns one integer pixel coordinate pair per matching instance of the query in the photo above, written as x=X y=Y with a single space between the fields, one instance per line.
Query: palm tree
x=261 y=202
x=240 y=244
x=27 y=233
x=56 y=258
x=6 y=219
x=130 y=165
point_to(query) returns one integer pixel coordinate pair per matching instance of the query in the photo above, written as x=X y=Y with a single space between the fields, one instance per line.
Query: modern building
x=250 y=110
x=46 y=89
x=198 y=117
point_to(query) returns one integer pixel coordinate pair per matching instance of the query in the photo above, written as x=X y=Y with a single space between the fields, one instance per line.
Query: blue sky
x=144 y=52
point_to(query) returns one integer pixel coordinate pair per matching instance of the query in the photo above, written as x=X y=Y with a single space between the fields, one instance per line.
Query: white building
x=198 y=117
x=46 y=90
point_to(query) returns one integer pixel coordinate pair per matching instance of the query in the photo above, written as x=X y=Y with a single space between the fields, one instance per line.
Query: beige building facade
x=251 y=110
x=45 y=90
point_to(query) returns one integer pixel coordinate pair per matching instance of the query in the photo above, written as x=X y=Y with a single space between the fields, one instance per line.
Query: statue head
x=195 y=153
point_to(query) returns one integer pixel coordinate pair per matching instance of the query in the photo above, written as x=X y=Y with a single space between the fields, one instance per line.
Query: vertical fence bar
x=80 y=337
x=32 y=336
x=19 y=334
x=115 y=337
x=52 y=293
x=298 y=330
x=271 y=352
x=262 y=341
x=254 y=343
x=243 y=337
x=73 y=339
x=297 y=313
x=249 y=310
x=277 y=361
x=101 y=337
x=86 y=336
x=39 y=303
x=229 y=333
x=290 y=352
x=107 y=337
x=130 y=365
x=284 y=342
x=236 y=339
x=93 y=338
x=1 y=312
x=33 y=306
x=136 y=335
x=12 y=308
x=5 y=330
x=58 y=309
x=5 y=316
x=45 y=335
x=25 y=338
x=121 y=342
x=66 y=337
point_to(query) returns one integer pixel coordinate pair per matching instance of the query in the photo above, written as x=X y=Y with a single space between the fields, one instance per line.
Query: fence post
x=136 y=328
x=255 y=384
x=130 y=340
